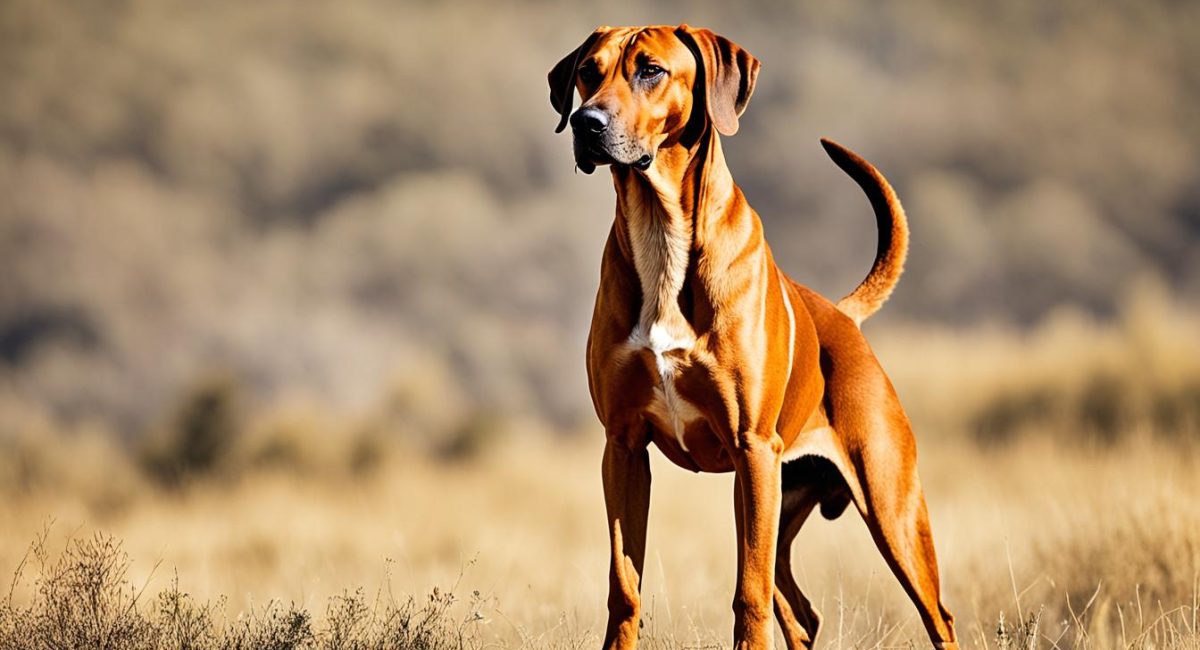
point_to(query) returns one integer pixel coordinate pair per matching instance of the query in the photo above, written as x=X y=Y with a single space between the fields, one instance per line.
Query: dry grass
x=1104 y=543
x=83 y=599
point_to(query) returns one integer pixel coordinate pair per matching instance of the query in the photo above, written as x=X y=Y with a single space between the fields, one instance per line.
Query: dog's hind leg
x=882 y=474
x=894 y=509
x=796 y=615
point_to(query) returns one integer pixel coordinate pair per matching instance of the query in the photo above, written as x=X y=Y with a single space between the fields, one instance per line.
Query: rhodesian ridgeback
x=700 y=344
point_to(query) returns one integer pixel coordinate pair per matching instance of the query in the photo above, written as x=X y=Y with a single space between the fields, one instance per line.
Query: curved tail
x=873 y=291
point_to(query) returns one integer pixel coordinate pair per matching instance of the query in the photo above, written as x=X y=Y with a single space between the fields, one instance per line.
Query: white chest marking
x=667 y=405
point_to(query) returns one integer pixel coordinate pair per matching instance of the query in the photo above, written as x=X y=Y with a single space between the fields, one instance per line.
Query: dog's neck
x=675 y=209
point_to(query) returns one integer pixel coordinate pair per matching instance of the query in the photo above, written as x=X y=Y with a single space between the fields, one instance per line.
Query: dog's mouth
x=588 y=156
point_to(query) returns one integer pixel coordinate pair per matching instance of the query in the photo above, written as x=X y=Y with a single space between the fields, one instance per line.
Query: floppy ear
x=562 y=79
x=729 y=74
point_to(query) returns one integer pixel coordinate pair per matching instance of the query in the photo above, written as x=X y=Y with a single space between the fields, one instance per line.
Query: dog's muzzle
x=597 y=144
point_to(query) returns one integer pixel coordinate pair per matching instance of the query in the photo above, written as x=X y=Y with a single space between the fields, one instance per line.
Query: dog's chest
x=661 y=249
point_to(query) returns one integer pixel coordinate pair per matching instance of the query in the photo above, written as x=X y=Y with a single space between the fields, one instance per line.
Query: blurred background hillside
x=362 y=206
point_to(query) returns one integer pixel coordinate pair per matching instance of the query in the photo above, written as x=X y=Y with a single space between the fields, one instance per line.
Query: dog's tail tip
x=831 y=145
x=850 y=162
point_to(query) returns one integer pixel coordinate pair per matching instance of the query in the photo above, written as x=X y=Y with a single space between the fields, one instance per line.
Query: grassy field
x=1061 y=468
x=1103 y=543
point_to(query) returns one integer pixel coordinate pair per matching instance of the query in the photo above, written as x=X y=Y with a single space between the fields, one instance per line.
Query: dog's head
x=643 y=87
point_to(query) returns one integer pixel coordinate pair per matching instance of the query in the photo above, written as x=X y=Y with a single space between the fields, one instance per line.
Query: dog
x=700 y=344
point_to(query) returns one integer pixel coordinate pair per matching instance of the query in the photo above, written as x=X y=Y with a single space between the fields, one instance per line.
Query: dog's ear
x=562 y=79
x=729 y=73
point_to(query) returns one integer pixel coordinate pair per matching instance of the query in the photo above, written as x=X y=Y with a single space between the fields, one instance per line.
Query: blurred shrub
x=200 y=435
x=468 y=441
x=215 y=432
x=42 y=453
x=301 y=437
x=1139 y=375
x=1106 y=406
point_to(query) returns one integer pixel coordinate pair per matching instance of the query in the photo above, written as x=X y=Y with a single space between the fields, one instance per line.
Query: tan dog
x=702 y=345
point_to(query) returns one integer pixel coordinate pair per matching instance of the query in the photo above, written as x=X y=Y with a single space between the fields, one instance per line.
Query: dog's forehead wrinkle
x=625 y=44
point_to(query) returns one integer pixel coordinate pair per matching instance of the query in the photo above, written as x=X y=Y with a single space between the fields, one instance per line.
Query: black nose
x=590 y=119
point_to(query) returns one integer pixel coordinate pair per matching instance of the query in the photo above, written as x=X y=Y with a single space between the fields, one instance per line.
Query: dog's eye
x=589 y=74
x=650 y=71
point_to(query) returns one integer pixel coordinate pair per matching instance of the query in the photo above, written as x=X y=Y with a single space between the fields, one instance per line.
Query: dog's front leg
x=627 y=499
x=757 y=463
